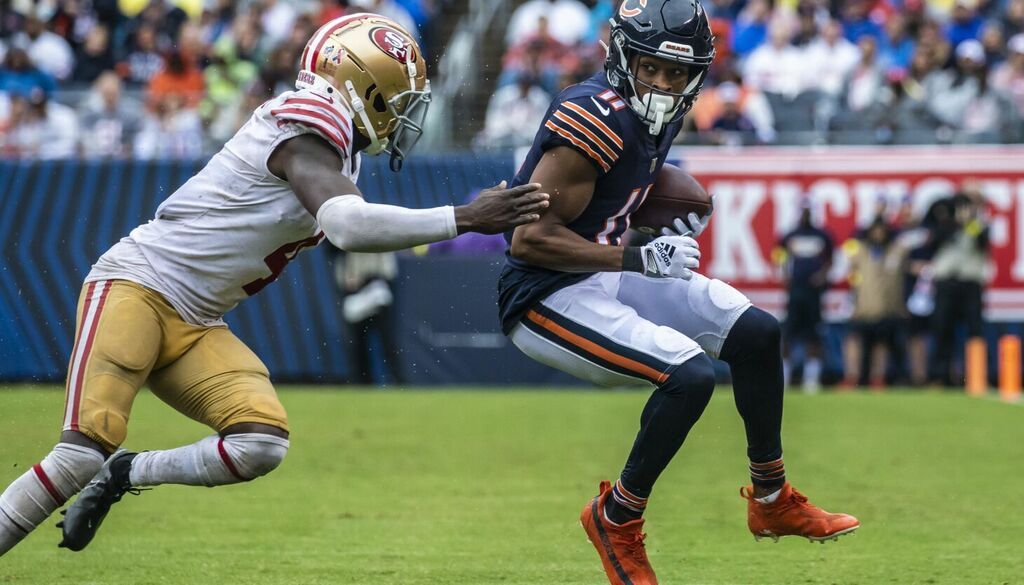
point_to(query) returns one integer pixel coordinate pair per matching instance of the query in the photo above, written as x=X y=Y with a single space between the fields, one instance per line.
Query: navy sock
x=623 y=505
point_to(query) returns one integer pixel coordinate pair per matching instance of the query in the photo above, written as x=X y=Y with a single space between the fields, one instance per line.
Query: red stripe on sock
x=227 y=460
x=45 y=480
x=766 y=465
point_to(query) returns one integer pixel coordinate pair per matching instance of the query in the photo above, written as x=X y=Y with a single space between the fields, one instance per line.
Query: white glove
x=693 y=226
x=671 y=257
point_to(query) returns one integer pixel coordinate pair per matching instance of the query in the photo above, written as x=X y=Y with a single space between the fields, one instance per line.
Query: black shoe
x=83 y=518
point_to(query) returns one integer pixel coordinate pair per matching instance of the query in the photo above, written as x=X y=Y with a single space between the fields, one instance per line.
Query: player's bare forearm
x=570 y=180
x=556 y=247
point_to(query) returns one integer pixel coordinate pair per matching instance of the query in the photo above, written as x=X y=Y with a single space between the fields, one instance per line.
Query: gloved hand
x=671 y=257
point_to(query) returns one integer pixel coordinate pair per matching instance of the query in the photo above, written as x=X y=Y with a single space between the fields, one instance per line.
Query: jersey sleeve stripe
x=612 y=156
x=579 y=143
x=597 y=123
x=316 y=121
x=343 y=122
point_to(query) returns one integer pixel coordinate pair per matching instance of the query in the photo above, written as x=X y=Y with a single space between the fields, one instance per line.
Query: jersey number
x=278 y=259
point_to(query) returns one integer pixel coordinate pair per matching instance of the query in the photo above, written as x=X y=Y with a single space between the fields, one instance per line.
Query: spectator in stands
x=896 y=46
x=143 y=60
x=961 y=99
x=857 y=20
x=932 y=42
x=216 y=19
x=514 y=113
x=751 y=27
x=731 y=127
x=230 y=73
x=180 y=77
x=866 y=80
x=961 y=244
x=166 y=19
x=389 y=9
x=877 y=267
x=170 y=130
x=572 y=17
x=1009 y=77
x=965 y=23
x=901 y=113
x=806 y=258
x=49 y=129
x=47 y=50
x=96 y=56
x=829 y=58
x=109 y=121
x=994 y=43
x=19 y=76
x=776 y=66
x=535 y=57
x=277 y=19
x=752 y=104
x=1013 y=19
x=807 y=29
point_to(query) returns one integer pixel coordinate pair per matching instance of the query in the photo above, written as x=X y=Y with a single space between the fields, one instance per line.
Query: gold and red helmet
x=378 y=69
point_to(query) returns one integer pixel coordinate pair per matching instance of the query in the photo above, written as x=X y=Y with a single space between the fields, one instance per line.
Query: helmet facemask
x=657 y=107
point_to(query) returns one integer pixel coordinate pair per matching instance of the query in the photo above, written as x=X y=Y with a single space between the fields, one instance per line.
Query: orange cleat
x=621 y=547
x=792 y=515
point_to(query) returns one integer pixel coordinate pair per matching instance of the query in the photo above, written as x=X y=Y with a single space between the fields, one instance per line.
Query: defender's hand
x=692 y=226
x=498 y=209
x=671 y=257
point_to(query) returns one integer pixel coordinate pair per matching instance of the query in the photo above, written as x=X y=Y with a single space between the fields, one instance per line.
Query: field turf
x=479 y=487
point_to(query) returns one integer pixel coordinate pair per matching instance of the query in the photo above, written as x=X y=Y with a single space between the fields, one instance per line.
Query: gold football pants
x=128 y=334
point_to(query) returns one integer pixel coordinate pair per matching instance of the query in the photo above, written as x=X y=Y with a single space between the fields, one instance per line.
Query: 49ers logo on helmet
x=394 y=43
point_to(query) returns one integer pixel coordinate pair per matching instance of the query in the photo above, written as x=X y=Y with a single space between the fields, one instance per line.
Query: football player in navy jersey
x=571 y=297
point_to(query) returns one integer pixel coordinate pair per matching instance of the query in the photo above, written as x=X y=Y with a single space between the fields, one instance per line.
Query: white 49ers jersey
x=231 y=229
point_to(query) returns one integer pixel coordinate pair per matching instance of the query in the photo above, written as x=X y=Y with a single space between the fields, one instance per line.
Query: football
x=675 y=194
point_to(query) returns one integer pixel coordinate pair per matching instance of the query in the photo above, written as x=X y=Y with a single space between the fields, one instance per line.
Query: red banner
x=758 y=195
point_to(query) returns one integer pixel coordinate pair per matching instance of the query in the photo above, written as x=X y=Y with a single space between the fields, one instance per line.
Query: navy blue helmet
x=676 y=30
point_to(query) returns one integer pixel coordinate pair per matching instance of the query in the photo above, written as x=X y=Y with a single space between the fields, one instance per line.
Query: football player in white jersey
x=151 y=308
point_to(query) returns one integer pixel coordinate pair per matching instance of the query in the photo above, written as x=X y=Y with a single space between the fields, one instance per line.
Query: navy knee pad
x=694 y=377
x=755 y=332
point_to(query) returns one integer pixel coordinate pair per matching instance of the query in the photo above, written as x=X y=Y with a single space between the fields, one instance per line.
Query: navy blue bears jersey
x=593 y=120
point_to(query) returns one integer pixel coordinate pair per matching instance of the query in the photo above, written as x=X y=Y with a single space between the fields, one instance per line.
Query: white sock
x=31 y=498
x=210 y=461
x=770 y=497
x=812 y=375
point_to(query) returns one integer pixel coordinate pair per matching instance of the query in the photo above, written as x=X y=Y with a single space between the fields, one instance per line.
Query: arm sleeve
x=588 y=125
x=352 y=224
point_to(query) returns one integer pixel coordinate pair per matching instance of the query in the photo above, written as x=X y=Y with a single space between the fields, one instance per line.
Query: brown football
x=674 y=194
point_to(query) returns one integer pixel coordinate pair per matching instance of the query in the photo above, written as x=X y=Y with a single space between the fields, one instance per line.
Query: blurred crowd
x=914 y=282
x=799 y=71
x=155 y=79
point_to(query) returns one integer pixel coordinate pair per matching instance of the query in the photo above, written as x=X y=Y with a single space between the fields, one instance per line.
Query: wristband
x=632 y=259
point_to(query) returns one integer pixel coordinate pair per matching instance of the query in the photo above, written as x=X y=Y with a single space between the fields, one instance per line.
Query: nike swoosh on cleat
x=604 y=111
x=608 y=545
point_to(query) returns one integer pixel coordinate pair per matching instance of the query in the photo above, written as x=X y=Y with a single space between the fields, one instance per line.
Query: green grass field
x=479 y=487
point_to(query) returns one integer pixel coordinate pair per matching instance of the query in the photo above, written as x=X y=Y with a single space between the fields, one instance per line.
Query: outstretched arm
x=314 y=171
